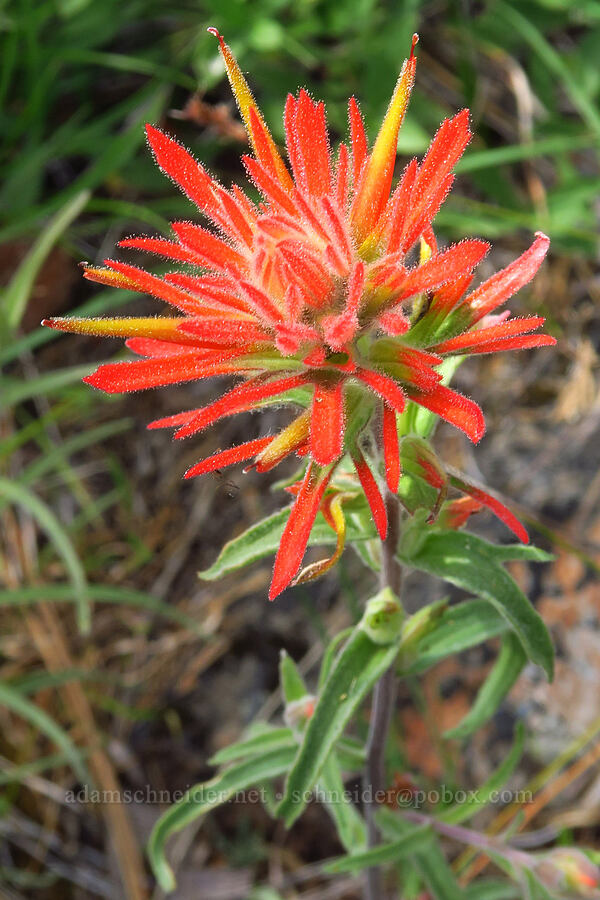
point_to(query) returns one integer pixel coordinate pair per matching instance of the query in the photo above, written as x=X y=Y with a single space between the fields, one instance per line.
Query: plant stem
x=383 y=703
x=472 y=838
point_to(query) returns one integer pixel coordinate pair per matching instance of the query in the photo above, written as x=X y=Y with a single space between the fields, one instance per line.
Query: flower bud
x=569 y=869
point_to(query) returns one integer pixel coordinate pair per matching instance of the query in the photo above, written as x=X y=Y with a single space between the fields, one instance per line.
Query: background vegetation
x=117 y=666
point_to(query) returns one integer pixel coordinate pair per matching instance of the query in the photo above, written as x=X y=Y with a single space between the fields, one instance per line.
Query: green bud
x=413 y=535
x=383 y=617
x=422 y=623
x=298 y=712
x=416 y=627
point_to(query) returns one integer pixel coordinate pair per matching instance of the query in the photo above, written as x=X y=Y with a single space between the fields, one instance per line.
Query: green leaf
x=105 y=301
x=431 y=863
x=18 y=291
x=292 y=683
x=264 y=893
x=330 y=653
x=369 y=553
x=415 y=840
x=475 y=565
x=202 y=798
x=553 y=61
x=331 y=792
x=493 y=890
x=463 y=811
x=15 y=391
x=496 y=686
x=58 y=455
x=15 y=701
x=414 y=492
x=100 y=593
x=263 y=539
x=351 y=754
x=46 y=519
x=273 y=739
x=459 y=627
x=14 y=774
x=498 y=156
x=356 y=670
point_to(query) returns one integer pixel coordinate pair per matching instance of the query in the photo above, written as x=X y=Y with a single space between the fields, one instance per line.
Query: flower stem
x=383 y=703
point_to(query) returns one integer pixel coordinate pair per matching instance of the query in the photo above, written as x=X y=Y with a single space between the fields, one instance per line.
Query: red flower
x=309 y=290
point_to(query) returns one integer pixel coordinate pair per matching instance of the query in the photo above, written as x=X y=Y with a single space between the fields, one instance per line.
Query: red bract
x=311 y=289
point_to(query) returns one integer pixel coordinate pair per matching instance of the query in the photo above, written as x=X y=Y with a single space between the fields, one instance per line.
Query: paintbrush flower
x=308 y=295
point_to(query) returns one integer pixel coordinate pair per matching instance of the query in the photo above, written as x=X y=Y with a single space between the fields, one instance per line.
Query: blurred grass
x=78 y=80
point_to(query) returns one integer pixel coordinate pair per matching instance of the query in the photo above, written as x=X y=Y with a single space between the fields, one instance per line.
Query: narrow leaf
x=349 y=823
x=431 y=863
x=13 y=390
x=263 y=540
x=273 y=739
x=100 y=593
x=463 y=811
x=16 y=295
x=292 y=683
x=505 y=672
x=473 y=564
x=493 y=890
x=42 y=722
x=46 y=519
x=416 y=839
x=460 y=627
x=206 y=796
x=359 y=665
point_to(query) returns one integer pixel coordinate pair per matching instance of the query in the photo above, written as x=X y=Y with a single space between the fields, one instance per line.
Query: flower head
x=309 y=295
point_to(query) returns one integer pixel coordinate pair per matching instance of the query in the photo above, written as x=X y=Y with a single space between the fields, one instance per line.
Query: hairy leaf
x=349 y=823
x=390 y=852
x=263 y=540
x=496 y=686
x=475 y=565
x=206 y=796
x=354 y=673
x=463 y=811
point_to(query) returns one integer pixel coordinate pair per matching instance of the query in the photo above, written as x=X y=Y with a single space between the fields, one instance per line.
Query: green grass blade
x=16 y=391
x=15 y=774
x=59 y=454
x=99 y=593
x=46 y=519
x=550 y=58
x=16 y=295
x=23 y=707
x=499 y=156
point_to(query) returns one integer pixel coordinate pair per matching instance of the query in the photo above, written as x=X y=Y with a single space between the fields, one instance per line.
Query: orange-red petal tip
x=274 y=592
x=415 y=41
